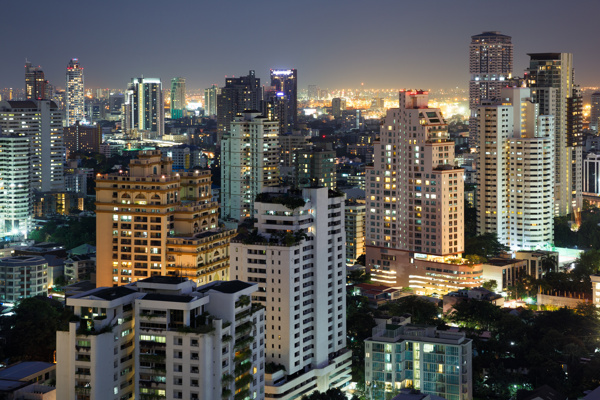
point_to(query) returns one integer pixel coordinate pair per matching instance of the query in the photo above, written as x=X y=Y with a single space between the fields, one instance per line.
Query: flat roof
x=111 y=293
x=172 y=280
x=230 y=286
x=174 y=298
x=24 y=369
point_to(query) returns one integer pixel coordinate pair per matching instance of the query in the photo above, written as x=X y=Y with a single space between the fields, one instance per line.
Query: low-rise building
x=479 y=294
x=377 y=294
x=80 y=267
x=505 y=271
x=22 y=277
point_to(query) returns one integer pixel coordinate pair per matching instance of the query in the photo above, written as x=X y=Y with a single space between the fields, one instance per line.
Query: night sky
x=332 y=43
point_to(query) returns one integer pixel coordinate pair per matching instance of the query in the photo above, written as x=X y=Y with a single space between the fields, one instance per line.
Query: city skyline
x=397 y=44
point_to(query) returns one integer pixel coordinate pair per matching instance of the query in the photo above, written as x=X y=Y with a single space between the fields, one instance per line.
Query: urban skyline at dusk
x=333 y=44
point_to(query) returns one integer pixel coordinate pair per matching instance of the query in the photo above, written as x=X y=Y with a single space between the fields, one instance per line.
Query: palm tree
x=548 y=264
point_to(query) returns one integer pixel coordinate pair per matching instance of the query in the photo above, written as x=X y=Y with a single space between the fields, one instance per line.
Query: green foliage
x=486 y=246
x=361 y=260
x=330 y=394
x=271 y=368
x=470 y=221
x=422 y=311
x=360 y=323
x=71 y=232
x=491 y=285
x=358 y=276
x=288 y=200
x=474 y=314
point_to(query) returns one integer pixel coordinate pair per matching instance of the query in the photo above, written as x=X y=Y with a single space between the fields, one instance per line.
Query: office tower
x=276 y=108
x=424 y=358
x=285 y=83
x=163 y=338
x=250 y=162
x=490 y=65
x=238 y=95
x=177 y=97
x=145 y=112
x=313 y=92
x=41 y=122
x=415 y=202
x=83 y=138
x=210 y=100
x=315 y=167
x=152 y=220
x=75 y=102
x=35 y=83
x=550 y=77
x=355 y=229
x=290 y=143
x=591 y=174
x=302 y=280
x=515 y=171
x=595 y=112
x=338 y=106
x=16 y=207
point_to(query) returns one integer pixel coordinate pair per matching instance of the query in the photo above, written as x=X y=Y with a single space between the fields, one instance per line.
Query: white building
x=41 y=122
x=301 y=273
x=400 y=355
x=210 y=100
x=591 y=174
x=515 y=171
x=75 y=104
x=250 y=162
x=144 y=108
x=163 y=338
x=16 y=207
x=22 y=277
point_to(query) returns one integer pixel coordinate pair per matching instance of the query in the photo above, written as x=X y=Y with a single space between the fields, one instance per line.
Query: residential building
x=161 y=222
x=16 y=206
x=505 y=271
x=36 y=85
x=250 y=162
x=285 y=85
x=338 y=105
x=296 y=255
x=41 y=122
x=415 y=203
x=163 y=337
x=80 y=267
x=550 y=77
x=315 y=167
x=210 y=100
x=591 y=174
x=76 y=181
x=178 y=101
x=23 y=276
x=436 y=362
x=490 y=66
x=144 y=107
x=56 y=203
x=595 y=112
x=595 y=289
x=75 y=99
x=83 y=138
x=515 y=171
x=376 y=295
x=289 y=145
x=476 y=294
x=355 y=230
x=238 y=95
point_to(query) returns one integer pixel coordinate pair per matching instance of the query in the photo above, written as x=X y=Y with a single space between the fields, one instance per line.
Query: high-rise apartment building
x=16 y=195
x=315 y=167
x=152 y=220
x=75 y=102
x=285 y=84
x=515 y=171
x=415 y=202
x=435 y=362
x=289 y=144
x=177 y=97
x=250 y=162
x=490 y=66
x=595 y=112
x=41 y=122
x=550 y=77
x=36 y=85
x=238 y=95
x=338 y=105
x=591 y=174
x=301 y=274
x=163 y=338
x=144 y=108
x=210 y=100
x=84 y=138
x=355 y=230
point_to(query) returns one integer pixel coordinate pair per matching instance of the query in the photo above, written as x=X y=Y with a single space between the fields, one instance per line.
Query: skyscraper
x=550 y=77
x=415 y=202
x=515 y=171
x=145 y=110
x=210 y=100
x=238 y=95
x=338 y=105
x=177 y=97
x=75 y=104
x=595 y=112
x=35 y=83
x=250 y=162
x=302 y=280
x=285 y=83
x=490 y=65
x=16 y=197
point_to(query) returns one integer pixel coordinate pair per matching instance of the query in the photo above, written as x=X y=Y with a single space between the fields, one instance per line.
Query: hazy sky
x=332 y=43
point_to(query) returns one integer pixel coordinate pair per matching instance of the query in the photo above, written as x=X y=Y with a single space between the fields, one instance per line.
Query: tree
x=491 y=285
x=486 y=245
x=358 y=276
x=361 y=260
x=475 y=314
x=422 y=311
x=330 y=394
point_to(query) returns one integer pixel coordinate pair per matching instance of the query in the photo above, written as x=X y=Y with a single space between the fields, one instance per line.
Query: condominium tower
x=250 y=162
x=36 y=85
x=414 y=202
x=490 y=65
x=210 y=100
x=144 y=109
x=177 y=97
x=16 y=195
x=75 y=101
x=515 y=171
x=238 y=95
x=595 y=112
x=152 y=220
x=285 y=84
x=297 y=257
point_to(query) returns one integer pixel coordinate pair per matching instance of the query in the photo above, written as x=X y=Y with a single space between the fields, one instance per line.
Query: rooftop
x=169 y=280
x=230 y=286
x=24 y=370
x=110 y=293
x=173 y=298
